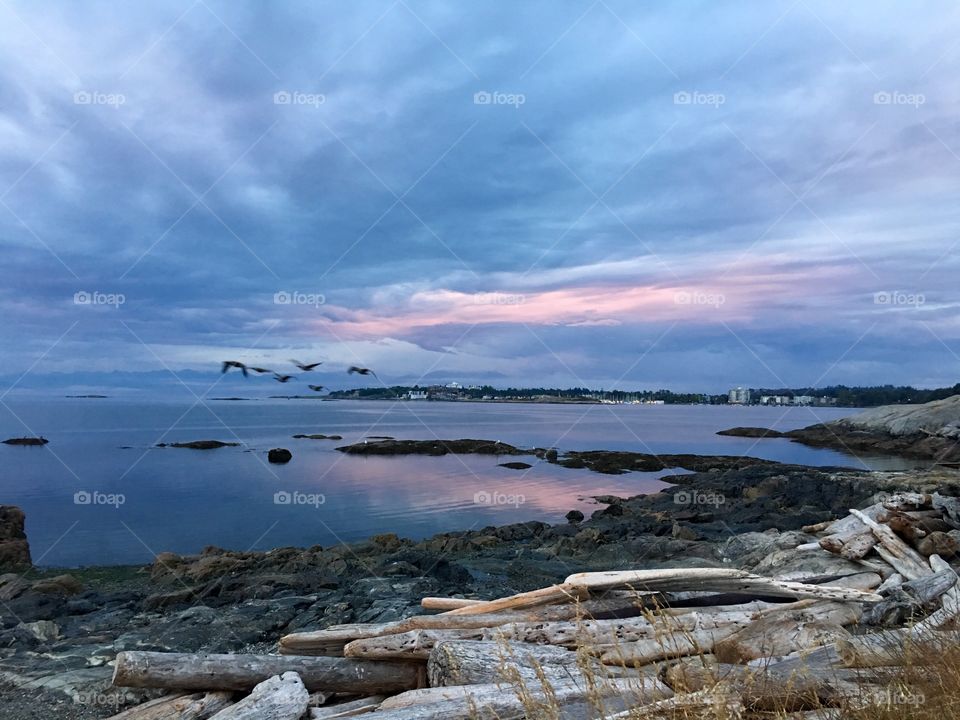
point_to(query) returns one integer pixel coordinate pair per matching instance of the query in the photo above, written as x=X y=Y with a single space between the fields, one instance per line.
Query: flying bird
x=361 y=371
x=306 y=368
x=316 y=388
x=227 y=364
x=282 y=378
x=260 y=371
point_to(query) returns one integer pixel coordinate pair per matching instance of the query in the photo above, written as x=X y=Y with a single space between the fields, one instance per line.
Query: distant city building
x=417 y=395
x=739 y=396
x=453 y=386
x=803 y=399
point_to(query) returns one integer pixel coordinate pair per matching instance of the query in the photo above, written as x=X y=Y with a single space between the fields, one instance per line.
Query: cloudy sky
x=690 y=195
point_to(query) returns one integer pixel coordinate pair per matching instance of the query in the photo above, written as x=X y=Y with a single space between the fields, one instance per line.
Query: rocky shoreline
x=61 y=629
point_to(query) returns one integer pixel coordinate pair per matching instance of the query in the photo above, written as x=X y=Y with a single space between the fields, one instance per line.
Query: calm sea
x=100 y=493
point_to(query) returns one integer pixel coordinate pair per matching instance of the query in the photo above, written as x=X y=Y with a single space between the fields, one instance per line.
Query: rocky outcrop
x=14 y=548
x=199 y=444
x=431 y=447
x=752 y=432
x=931 y=430
x=26 y=441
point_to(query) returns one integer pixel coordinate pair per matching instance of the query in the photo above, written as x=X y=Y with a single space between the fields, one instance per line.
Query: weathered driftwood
x=417 y=644
x=478 y=662
x=769 y=688
x=703 y=703
x=858 y=546
x=443 y=603
x=351 y=708
x=668 y=645
x=904 y=559
x=910 y=599
x=937 y=542
x=774 y=636
x=157 y=709
x=281 y=697
x=332 y=640
x=834 y=543
x=190 y=671
x=715 y=579
x=195 y=706
x=498 y=701
x=887 y=648
x=890 y=583
x=949 y=601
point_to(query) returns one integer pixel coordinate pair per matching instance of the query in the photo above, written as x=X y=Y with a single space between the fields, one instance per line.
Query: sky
x=689 y=195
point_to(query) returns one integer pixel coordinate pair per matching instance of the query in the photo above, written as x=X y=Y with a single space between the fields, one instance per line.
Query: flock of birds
x=283 y=378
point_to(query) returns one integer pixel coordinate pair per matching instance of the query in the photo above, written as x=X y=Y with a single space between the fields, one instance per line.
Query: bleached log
x=850 y=523
x=774 y=636
x=197 y=671
x=543 y=596
x=157 y=709
x=704 y=703
x=887 y=648
x=442 y=603
x=479 y=662
x=904 y=559
x=668 y=645
x=858 y=546
x=352 y=708
x=910 y=599
x=332 y=640
x=498 y=701
x=834 y=543
x=717 y=579
x=949 y=601
x=195 y=706
x=281 y=697
x=894 y=581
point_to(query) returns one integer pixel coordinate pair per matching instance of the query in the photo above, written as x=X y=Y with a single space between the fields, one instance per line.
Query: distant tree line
x=845 y=396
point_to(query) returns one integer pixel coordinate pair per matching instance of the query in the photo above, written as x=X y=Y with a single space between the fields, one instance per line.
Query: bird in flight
x=227 y=364
x=306 y=367
x=260 y=371
x=316 y=388
x=360 y=371
x=282 y=378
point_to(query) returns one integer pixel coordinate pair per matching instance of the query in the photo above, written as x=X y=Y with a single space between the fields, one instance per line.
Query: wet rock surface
x=199 y=444
x=431 y=447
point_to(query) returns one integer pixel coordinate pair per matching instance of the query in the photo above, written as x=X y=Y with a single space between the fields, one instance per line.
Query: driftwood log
x=196 y=706
x=480 y=662
x=282 y=697
x=196 y=671
x=351 y=708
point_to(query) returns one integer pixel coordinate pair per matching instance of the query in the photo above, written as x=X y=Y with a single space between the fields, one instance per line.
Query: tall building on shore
x=739 y=396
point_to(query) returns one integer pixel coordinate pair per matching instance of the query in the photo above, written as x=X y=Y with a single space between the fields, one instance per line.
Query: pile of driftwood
x=666 y=641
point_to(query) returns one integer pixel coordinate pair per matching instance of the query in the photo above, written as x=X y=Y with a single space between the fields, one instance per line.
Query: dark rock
x=318 y=436
x=574 y=516
x=752 y=432
x=431 y=447
x=26 y=441
x=616 y=462
x=199 y=444
x=516 y=465
x=14 y=548
x=279 y=456
x=59 y=585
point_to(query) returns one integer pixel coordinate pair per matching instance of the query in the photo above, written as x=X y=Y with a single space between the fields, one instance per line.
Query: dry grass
x=924 y=685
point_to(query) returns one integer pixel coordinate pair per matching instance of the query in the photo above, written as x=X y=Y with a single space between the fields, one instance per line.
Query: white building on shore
x=739 y=396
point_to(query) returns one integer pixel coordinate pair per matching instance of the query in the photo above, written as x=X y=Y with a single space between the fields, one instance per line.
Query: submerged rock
x=318 y=436
x=752 y=432
x=516 y=465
